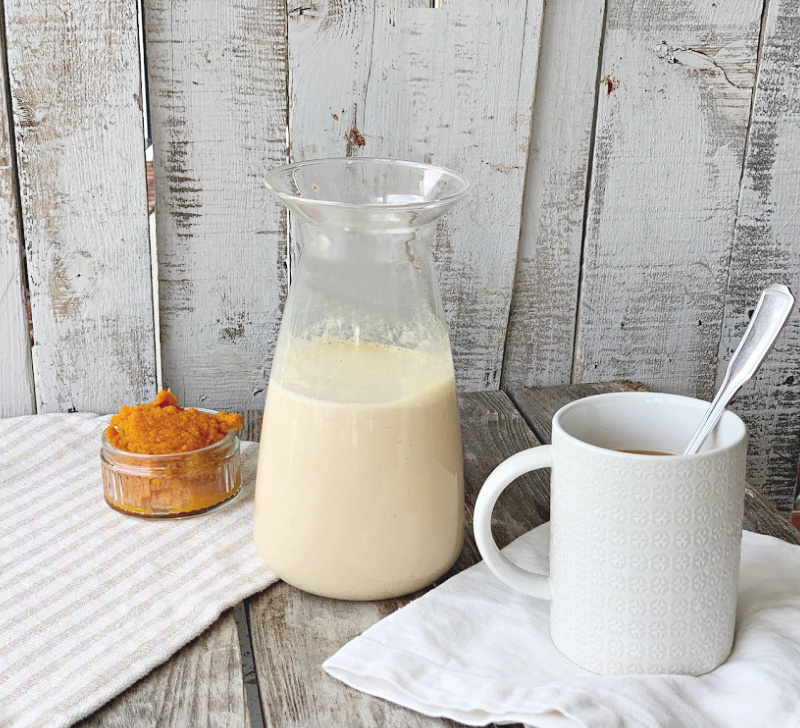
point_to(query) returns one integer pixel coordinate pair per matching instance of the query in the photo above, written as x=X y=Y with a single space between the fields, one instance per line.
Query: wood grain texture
x=75 y=85
x=674 y=100
x=541 y=325
x=294 y=632
x=393 y=79
x=539 y=405
x=766 y=249
x=252 y=425
x=761 y=516
x=202 y=685
x=218 y=103
x=16 y=380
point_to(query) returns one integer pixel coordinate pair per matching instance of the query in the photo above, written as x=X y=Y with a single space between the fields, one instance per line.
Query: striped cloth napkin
x=91 y=600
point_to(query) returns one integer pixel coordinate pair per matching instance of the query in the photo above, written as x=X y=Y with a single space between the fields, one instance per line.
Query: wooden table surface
x=259 y=664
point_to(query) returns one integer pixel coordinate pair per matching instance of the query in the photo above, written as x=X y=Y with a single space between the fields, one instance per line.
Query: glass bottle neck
x=364 y=246
x=368 y=285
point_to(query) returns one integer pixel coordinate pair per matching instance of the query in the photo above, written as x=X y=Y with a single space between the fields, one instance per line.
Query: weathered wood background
x=636 y=170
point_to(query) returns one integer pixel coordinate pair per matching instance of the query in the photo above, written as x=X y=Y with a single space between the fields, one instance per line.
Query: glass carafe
x=359 y=491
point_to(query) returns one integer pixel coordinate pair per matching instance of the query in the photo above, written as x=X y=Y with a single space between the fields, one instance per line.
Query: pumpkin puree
x=162 y=487
x=161 y=427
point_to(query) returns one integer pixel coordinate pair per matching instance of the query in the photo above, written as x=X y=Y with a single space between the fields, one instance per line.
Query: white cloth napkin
x=476 y=651
x=91 y=600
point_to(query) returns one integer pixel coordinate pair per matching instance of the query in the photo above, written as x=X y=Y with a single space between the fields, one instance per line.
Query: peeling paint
x=610 y=82
x=355 y=140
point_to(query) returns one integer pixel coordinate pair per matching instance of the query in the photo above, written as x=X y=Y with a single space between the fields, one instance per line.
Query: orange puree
x=160 y=427
x=156 y=466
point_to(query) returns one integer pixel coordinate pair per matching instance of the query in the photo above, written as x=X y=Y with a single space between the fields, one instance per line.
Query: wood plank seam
x=518 y=251
x=16 y=210
x=743 y=170
x=12 y=144
x=588 y=190
x=249 y=678
x=547 y=268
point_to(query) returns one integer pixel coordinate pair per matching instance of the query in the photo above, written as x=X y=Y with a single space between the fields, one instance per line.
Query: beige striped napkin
x=92 y=600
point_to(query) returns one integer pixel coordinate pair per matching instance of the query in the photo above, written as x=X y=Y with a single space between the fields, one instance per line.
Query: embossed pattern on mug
x=663 y=597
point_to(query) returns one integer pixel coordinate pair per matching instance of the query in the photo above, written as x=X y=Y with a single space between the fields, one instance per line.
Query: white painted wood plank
x=75 y=85
x=16 y=375
x=218 y=102
x=452 y=86
x=541 y=326
x=668 y=153
x=766 y=250
x=339 y=62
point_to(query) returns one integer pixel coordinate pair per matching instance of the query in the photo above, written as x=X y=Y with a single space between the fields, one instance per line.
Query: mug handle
x=502 y=476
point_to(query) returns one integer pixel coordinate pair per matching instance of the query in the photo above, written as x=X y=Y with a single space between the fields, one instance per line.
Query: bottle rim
x=273 y=176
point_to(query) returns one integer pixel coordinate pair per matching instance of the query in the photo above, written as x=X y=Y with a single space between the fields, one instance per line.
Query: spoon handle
x=769 y=317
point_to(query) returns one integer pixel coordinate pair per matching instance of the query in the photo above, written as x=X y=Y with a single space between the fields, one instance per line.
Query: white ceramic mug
x=644 y=550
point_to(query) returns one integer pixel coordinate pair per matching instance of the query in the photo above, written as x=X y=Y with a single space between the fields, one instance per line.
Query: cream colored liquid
x=359 y=491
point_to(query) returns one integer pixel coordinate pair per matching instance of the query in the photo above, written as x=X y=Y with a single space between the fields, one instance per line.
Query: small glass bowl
x=172 y=485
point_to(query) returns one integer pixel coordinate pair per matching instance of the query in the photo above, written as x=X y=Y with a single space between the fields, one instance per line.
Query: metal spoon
x=769 y=317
